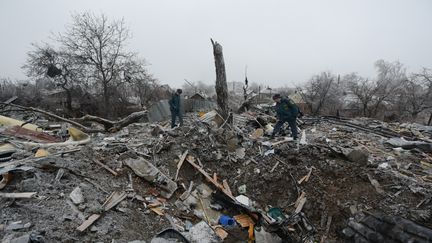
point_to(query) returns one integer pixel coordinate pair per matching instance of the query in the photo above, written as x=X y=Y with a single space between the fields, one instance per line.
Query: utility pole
x=193 y=86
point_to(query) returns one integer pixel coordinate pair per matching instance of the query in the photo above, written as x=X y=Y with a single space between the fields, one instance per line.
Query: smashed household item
x=151 y=173
x=405 y=144
x=243 y=200
x=225 y=220
x=276 y=214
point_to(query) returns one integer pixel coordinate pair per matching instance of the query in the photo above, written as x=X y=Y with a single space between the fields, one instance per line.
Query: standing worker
x=286 y=111
x=175 y=108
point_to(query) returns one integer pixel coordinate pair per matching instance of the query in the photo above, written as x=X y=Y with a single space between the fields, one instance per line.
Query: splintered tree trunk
x=221 y=83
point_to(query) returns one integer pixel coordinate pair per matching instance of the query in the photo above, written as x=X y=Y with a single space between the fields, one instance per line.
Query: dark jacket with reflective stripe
x=286 y=109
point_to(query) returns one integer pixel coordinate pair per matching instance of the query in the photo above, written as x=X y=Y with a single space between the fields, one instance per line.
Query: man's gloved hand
x=300 y=114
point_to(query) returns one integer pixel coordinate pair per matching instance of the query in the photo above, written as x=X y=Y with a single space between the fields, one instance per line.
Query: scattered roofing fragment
x=24 y=133
x=7 y=121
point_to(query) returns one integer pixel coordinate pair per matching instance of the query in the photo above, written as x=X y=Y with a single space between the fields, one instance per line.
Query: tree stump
x=221 y=83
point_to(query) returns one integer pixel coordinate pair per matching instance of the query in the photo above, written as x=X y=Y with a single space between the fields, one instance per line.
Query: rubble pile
x=211 y=181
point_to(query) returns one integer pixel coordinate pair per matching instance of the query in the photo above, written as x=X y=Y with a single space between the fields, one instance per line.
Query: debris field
x=216 y=181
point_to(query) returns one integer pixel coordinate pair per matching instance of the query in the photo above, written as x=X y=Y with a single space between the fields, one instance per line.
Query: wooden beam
x=105 y=167
x=18 y=194
x=180 y=163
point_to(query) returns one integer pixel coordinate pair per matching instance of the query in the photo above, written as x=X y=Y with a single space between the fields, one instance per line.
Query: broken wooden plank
x=244 y=220
x=105 y=167
x=226 y=186
x=209 y=178
x=302 y=195
x=88 y=222
x=300 y=205
x=18 y=194
x=281 y=142
x=180 y=163
x=306 y=177
x=114 y=199
x=274 y=167
x=215 y=177
x=158 y=211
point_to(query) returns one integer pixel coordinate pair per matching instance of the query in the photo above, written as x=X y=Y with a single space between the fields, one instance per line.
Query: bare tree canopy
x=92 y=55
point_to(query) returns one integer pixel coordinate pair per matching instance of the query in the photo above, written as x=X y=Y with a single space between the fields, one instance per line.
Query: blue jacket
x=286 y=109
x=175 y=103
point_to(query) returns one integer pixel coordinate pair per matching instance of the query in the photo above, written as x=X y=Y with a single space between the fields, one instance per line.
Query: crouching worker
x=174 y=104
x=286 y=111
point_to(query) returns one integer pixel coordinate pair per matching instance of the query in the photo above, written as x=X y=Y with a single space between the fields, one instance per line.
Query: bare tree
x=391 y=76
x=416 y=94
x=363 y=89
x=317 y=91
x=221 y=83
x=98 y=43
x=65 y=71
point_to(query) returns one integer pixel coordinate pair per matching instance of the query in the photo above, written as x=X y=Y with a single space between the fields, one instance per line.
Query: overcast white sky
x=281 y=42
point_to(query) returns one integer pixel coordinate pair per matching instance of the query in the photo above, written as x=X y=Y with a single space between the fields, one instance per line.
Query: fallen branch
x=109 y=126
x=82 y=127
x=113 y=126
